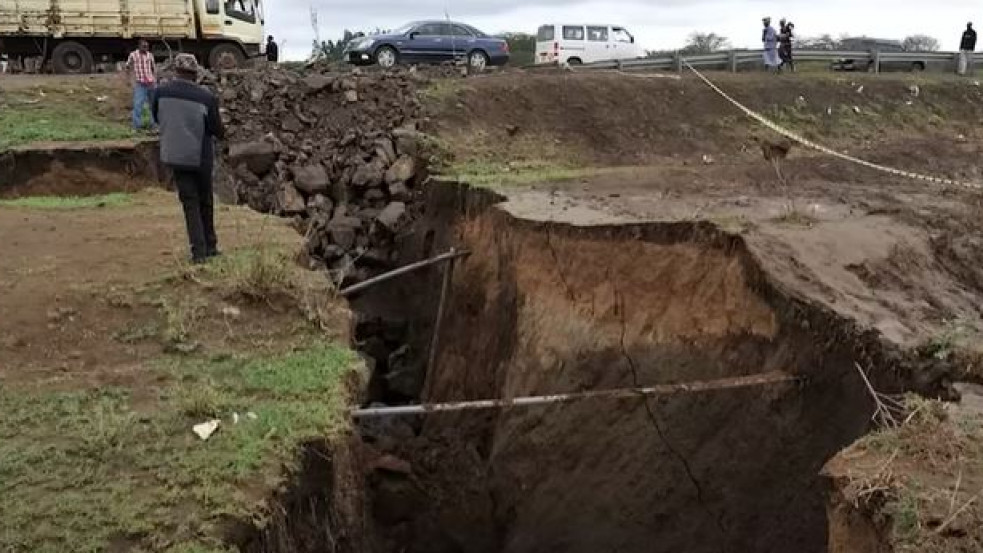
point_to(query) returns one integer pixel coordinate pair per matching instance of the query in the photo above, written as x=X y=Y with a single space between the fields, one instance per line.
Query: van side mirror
x=633 y=40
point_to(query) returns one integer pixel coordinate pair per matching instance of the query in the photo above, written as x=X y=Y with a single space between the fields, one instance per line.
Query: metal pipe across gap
x=355 y=288
x=762 y=379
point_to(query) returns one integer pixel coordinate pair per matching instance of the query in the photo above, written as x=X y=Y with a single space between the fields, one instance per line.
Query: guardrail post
x=877 y=61
x=679 y=62
x=733 y=61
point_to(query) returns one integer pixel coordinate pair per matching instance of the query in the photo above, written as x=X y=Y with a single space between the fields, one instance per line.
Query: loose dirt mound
x=340 y=152
x=913 y=488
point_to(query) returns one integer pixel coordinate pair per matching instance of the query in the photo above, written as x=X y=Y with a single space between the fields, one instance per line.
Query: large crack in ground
x=542 y=308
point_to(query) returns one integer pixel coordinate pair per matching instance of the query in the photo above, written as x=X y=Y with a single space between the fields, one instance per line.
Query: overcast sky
x=657 y=24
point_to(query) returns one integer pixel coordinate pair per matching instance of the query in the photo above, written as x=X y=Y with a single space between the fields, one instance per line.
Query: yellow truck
x=75 y=35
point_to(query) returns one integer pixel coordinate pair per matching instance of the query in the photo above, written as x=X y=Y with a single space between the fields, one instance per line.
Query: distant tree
x=705 y=43
x=659 y=53
x=330 y=50
x=821 y=42
x=921 y=43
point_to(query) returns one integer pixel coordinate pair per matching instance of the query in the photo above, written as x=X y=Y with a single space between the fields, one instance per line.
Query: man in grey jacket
x=189 y=122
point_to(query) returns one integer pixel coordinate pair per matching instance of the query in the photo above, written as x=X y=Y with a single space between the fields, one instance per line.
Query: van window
x=621 y=35
x=546 y=33
x=597 y=34
x=573 y=33
x=212 y=6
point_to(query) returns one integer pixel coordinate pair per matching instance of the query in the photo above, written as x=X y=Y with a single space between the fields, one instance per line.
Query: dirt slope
x=612 y=119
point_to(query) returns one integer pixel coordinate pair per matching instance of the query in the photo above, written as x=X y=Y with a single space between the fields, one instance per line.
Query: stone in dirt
x=404 y=377
x=385 y=151
x=311 y=179
x=407 y=142
x=344 y=231
x=392 y=215
x=402 y=171
x=370 y=175
x=389 y=463
x=398 y=191
x=374 y=195
x=292 y=124
x=289 y=201
x=258 y=156
x=351 y=96
x=320 y=203
x=316 y=83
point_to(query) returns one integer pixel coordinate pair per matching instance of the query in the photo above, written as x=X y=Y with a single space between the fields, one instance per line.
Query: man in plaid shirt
x=142 y=68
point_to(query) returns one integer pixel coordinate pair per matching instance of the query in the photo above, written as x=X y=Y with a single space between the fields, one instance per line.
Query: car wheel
x=917 y=67
x=387 y=57
x=226 y=56
x=72 y=58
x=478 y=61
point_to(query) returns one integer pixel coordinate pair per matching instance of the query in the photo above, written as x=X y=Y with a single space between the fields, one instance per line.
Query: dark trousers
x=194 y=188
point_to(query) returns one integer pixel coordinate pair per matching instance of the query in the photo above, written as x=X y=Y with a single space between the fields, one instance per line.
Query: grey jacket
x=189 y=119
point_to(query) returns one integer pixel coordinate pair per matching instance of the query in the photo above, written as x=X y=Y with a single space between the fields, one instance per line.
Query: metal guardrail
x=733 y=59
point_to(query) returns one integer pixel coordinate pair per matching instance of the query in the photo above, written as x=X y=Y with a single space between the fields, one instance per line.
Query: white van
x=575 y=44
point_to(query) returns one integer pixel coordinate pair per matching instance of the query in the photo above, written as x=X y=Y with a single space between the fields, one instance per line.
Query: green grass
x=481 y=173
x=55 y=122
x=82 y=469
x=115 y=199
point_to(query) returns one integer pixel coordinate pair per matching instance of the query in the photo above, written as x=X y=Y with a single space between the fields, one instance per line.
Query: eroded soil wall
x=80 y=170
x=540 y=308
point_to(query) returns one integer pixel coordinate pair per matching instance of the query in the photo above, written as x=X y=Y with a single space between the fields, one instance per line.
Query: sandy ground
x=67 y=277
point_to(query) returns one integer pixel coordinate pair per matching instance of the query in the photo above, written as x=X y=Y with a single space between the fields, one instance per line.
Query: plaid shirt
x=143 y=67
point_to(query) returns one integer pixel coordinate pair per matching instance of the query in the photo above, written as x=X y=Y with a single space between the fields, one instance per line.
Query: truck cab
x=77 y=35
x=233 y=21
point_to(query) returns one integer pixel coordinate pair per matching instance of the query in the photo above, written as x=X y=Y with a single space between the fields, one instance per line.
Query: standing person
x=189 y=121
x=785 y=38
x=143 y=73
x=769 y=37
x=272 y=50
x=967 y=46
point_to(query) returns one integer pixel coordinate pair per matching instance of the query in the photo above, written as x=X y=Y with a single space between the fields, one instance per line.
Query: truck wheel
x=72 y=58
x=227 y=52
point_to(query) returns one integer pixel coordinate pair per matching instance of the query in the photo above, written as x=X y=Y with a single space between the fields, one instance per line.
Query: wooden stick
x=622 y=393
x=445 y=290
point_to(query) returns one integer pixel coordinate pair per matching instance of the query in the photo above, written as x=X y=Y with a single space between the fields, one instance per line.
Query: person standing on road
x=272 y=50
x=785 y=38
x=143 y=73
x=967 y=46
x=189 y=123
x=769 y=37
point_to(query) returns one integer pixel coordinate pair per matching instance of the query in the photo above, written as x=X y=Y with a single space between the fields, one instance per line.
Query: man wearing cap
x=189 y=121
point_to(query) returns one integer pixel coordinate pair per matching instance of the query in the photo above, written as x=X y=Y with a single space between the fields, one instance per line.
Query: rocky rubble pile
x=342 y=153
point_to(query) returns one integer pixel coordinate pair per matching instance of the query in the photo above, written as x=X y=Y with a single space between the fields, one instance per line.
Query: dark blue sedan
x=429 y=42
